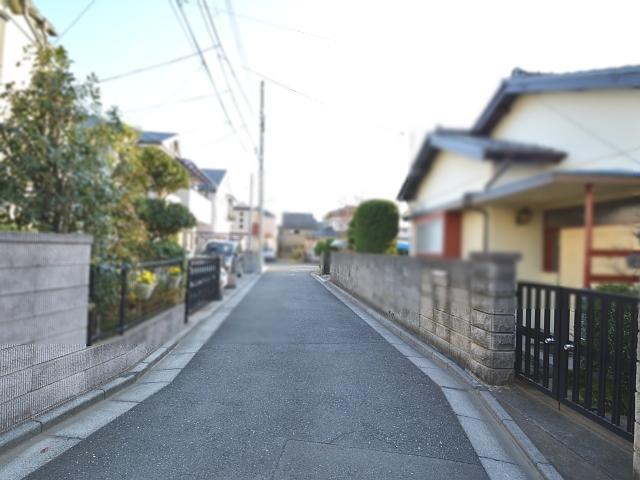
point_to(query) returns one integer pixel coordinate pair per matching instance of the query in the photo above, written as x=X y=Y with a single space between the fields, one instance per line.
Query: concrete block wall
x=636 y=426
x=44 y=361
x=465 y=309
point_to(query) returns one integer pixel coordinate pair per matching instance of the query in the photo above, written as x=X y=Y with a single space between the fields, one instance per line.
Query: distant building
x=340 y=219
x=245 y=226
x=223 y=203
x=294 y=231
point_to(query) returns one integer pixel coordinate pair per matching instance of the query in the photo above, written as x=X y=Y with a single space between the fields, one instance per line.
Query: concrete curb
x=483 y=394
x=45 y=421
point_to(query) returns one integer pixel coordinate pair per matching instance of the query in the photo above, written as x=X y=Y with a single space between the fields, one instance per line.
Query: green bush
x=164 y=250
x=324 y=246
x=164 y=219
x=375 y=226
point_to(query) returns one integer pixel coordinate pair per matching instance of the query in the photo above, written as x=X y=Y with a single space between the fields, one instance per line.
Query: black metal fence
x=123 y=296
x=203 y=284
x=580 y=347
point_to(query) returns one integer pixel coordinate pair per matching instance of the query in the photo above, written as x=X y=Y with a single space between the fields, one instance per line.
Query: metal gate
x=579 y=346
x=203 y=283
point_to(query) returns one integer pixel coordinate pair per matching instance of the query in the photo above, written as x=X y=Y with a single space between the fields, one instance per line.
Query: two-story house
x=21 y=25
x=551 y=169
x=199 y=198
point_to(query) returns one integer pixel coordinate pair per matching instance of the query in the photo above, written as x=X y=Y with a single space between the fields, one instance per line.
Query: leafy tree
x=375 y=226
x=164 y=219
x=164 y=174
x=56 y=158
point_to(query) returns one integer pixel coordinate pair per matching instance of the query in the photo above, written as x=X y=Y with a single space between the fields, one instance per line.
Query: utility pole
x=250 y=223
x=261 y=182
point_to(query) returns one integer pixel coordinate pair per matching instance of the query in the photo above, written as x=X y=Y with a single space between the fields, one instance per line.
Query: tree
x=56 y=161
x=164 y=174
x=375 y=226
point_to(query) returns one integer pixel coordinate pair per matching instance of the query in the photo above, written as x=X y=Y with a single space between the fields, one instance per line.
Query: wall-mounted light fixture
x=524 y=216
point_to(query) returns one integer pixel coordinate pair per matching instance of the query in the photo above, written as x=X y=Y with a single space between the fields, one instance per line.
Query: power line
x=203 y=59
x=211 y=29
x=76 y=20
x=275 y=25
x=315 y=100
x=226 y=57
x=153 y=67
x=236 y=32
x=166 y=104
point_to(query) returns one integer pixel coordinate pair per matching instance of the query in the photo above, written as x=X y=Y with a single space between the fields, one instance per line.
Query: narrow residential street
x=293 y=385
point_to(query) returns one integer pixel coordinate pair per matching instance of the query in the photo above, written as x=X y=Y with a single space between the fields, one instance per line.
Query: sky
x=352 y=86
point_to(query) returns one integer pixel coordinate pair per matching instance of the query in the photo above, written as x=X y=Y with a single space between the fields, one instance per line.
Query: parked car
x=230 y=256
x=224 y=279
x=269 y=254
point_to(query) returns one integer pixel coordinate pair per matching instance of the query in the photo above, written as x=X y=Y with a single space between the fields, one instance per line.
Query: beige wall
x=451 y=175
x=571 y=262
x=593 y=127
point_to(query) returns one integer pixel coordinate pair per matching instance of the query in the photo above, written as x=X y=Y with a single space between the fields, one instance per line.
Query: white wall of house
x=200 y=206
x=15 y=35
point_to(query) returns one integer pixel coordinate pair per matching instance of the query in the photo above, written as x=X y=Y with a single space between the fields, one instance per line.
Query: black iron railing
x=123 y=296
x=580 y=347
x=203 y=284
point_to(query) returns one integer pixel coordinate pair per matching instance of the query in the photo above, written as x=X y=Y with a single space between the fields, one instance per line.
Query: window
x=430 y=236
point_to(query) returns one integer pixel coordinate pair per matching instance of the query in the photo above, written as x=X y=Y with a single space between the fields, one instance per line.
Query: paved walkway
x=292 y=386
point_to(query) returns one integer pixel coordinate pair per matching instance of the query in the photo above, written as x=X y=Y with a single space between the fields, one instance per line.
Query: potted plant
x=145 y=284
x=175 y=277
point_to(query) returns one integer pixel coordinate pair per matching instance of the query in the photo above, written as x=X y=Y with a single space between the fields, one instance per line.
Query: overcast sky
x=373 y=77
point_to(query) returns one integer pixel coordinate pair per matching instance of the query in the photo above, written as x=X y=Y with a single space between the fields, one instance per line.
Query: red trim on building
x=452 y=234
x=588 y=233
x=549 y=253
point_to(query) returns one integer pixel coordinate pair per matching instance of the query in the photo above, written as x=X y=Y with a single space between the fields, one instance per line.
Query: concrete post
x=493 y=324
x=636 y=426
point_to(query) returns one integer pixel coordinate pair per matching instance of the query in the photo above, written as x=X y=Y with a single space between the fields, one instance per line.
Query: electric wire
x=76 y=20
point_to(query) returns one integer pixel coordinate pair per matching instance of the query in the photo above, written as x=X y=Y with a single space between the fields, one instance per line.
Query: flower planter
x=175 y=281
x=144 y=290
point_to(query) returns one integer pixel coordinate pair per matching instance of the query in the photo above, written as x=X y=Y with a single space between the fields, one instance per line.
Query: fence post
x=91 y=313
x=123 y=298
x=186 y=293
x=217 y=267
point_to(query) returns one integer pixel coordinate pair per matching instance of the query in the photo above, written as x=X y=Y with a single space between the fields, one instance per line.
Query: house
x=295 y=229
x=199 y=198
x=21 y=25
x=551 y=169
x=245 y=225
x=223 y=203
x=340 y=219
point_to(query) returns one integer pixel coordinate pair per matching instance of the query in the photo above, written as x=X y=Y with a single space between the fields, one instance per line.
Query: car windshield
x=220 y=248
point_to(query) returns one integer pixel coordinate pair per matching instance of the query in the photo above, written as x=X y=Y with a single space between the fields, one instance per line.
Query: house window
x=551 y=249
x=430 y=236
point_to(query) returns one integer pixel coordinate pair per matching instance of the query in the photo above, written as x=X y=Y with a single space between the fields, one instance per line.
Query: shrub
x=324 y=246
x=164 y=250
x=375 y=226
x=164 y=219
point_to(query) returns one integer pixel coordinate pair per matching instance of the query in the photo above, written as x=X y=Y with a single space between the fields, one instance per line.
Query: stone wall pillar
x=636 y=426
x=493 y=323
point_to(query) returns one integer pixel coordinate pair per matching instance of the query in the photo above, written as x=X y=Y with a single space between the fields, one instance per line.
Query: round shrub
x=375 y=226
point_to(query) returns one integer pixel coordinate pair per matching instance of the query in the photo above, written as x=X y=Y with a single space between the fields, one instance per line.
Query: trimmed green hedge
x=375 y=227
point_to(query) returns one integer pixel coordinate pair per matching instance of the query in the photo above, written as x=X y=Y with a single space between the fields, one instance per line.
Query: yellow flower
x=175 y=271
x=146 y=277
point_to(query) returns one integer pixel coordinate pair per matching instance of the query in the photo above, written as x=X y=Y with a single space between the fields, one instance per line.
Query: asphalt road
x=292 y=386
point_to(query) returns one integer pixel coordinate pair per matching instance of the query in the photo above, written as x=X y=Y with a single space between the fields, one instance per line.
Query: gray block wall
x=465 y=309
x=44 y=361
x=636 y=426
